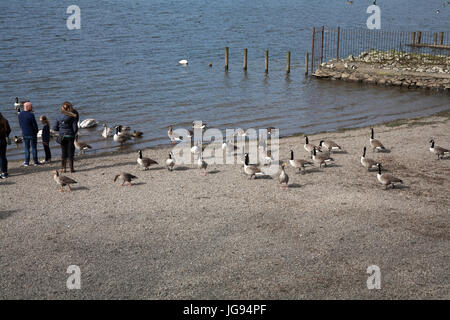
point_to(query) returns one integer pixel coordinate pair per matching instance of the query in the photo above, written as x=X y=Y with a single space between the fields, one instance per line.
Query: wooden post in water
x=312 y=49
x=441 y=36
x=413 y=38
x=306 y=63
x=266 y=59
x=337 y=42
x=435 y=38
x=288 y=62
x=245 y=60
x=419 y=36
x=321 y=44
x=227 y=50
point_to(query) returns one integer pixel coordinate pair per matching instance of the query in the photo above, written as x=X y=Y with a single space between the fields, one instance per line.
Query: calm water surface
x=122 y=66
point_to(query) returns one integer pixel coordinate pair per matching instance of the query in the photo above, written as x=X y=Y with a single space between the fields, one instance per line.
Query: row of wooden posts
x=266 y=60
x=418 y=40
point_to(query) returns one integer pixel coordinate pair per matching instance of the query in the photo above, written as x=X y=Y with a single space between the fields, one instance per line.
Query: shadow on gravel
x=397 y=187
x=79 y=188
x=295 y=185
x=213 y=171
x=139 y=183
x=6 y=183
x=6 y=213
x=106 y=166
x=181 y=168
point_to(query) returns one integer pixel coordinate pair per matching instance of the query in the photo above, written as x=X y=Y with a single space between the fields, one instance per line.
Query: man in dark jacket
x=30 y=129
x=5 y=130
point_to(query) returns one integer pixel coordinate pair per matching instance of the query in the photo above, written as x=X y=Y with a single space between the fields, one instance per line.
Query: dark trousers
x=27 y=140
x=67 y=148
x=3 y=160
x=48 y=154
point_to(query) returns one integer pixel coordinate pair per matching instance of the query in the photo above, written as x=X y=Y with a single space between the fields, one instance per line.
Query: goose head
x=292 y=154
x=314 y=150
x=371 y=133
x=432 y=143
x=140 y=154
x=364 y=152
x=306 y=139
x=320 y=143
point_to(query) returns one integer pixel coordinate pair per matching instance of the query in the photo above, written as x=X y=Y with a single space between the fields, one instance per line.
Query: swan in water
x=87 y=123
x=183 y=62
x=106 y=131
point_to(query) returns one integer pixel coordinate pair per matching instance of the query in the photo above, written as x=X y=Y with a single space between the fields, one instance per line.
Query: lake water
x=122 y=67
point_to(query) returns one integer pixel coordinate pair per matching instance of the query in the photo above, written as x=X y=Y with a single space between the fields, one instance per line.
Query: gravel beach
x=182 y=235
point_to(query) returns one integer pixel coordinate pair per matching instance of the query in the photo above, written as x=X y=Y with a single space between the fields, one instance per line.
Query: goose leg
x=68 y=186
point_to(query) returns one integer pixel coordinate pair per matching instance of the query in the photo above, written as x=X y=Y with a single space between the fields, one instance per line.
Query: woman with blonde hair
x=67 y=126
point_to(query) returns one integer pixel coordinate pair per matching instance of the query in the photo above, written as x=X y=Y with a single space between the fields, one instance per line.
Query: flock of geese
x=320 y=155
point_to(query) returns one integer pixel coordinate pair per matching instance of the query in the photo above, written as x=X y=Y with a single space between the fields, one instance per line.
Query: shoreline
x=182 y=235
x=400 y=121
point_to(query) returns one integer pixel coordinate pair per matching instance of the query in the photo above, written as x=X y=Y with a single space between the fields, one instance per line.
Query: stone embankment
x=391 y=68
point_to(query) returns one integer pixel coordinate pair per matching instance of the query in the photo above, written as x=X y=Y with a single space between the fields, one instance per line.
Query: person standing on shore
x=30 y=129
x=46 y=138
x=67 y=126
x=5 y=130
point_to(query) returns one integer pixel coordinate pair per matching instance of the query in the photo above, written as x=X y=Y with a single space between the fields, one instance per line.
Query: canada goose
x=82 y=146
x=268 y=159
x=120 y=138
x=106 y=131
x=309 y=146
x=240 y=132
x=18 y=140
x=137 y=134
x=173 y=138
x=63 y=181
x=145 y=162
x=183 y=62
x=124 y=129
x=283 y=178
x=298 y=163
x=87 y=123
x=329 y=145
x=202 y=164
x=376 y=144
x=251 y=170
x=170 y=163
x=367 y=162
x=126 y=177
x=387 y=179
x=199 y=125
x=269 y=131
x=19 y=104
x=439 y=151
x=321 y=158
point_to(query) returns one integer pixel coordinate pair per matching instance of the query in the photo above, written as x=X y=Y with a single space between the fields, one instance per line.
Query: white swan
x=88 y=123
x=106 y=131
x=183 y=62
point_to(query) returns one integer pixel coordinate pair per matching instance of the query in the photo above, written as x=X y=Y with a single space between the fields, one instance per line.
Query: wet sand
x=181 y=235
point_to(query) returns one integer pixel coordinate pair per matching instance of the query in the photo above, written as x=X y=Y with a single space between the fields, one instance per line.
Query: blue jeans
x=33 y=140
